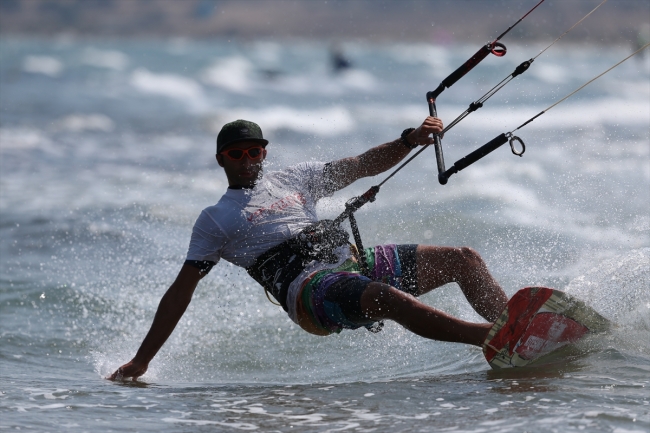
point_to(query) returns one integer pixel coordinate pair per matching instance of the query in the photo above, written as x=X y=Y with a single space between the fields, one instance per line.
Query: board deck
x=536 y=322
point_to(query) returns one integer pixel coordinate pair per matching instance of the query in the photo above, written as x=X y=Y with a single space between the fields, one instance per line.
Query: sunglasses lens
x=235 y=153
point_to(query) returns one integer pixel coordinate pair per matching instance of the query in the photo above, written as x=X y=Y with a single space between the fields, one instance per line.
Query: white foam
x=632 y=110
x=109 y=59
x=231 y=73
x=414 y=54
x=85 y=122
x=568 y=115
x=171 y=86
x=23 y=139
x=45 y=65
x=357 y=79
x=482 y=182
x=267 y=54
x=328 y=122
x=410 y=114
x=231 y=425
x=624 y=430
x=178 y=45
x=632 y=90
x=550 y=73
x=320 y=82
x=617 y=287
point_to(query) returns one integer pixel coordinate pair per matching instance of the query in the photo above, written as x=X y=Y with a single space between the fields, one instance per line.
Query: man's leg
x=438 y=266
x=381 y=301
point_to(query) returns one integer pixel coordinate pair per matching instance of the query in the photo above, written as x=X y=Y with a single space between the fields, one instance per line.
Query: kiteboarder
x=267 y=224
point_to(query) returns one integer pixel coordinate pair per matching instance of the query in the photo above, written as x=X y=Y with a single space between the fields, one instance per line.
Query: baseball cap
x=237 y=131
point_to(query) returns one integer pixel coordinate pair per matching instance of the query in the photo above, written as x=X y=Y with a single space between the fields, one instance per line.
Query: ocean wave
x=46 y=65
x=85 y=122
x=22 y=138
x=550 y=73
x=341 y=118
x=573 y=115
x=232 y=73
x=171 y=86
x=322 y=83
x=240 y=75
x=437 y=58
x=617 y=287
x=110 y=59
x=605 y=111
x=329 y=121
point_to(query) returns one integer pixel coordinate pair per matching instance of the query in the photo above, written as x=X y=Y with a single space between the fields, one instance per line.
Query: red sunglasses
x=237 y=154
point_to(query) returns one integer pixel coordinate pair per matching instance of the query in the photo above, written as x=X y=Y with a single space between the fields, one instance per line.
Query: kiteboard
x=536 y=322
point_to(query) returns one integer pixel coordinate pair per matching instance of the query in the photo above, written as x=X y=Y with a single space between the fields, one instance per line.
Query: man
x=260 y=221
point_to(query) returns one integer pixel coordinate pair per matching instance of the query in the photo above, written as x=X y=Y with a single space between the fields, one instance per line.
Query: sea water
x=107 y=158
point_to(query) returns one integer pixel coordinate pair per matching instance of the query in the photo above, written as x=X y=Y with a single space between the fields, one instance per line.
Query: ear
x=219 y=159
x=263 y=153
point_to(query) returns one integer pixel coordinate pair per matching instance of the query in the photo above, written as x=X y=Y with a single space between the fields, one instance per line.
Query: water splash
x=618 y=288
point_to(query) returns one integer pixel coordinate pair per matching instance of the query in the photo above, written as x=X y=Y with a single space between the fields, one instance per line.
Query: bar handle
x=470 y=159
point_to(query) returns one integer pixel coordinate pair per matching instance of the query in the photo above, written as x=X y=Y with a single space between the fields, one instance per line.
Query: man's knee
x=448 y=256
x=469 y=255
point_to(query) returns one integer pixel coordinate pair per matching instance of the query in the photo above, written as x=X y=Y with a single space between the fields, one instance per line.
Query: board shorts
x=330 y=300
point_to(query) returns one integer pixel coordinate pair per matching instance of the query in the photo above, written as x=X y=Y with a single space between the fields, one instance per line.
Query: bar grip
x=467 y=66
x=473 y=157
x=437 y=144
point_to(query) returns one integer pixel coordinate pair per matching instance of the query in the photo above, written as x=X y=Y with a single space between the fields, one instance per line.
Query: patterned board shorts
x=330 y=300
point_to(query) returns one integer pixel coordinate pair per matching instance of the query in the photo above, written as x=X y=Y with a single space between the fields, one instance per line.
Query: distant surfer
x=338 y=60
x=265 y=222
x=642 y=38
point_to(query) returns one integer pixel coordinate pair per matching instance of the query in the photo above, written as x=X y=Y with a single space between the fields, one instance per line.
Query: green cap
x=237 y=131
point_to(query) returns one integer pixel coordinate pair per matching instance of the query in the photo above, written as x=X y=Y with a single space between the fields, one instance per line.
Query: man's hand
x=170 y=310
x=130 y=369
x=421 y=135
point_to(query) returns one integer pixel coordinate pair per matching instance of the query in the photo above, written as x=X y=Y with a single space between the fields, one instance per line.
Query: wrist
x=404 y=138
x=140 y=362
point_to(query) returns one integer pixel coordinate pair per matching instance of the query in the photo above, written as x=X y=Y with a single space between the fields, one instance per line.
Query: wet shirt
x=247 y=222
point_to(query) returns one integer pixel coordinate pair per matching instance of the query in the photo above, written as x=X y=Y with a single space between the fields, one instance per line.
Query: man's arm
x=170 y=310
x=383 y=157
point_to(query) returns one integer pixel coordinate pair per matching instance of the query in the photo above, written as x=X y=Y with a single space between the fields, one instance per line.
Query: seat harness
x=278 y=267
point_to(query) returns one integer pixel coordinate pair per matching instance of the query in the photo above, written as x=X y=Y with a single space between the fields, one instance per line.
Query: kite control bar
x=495 y=47
x=508 y=136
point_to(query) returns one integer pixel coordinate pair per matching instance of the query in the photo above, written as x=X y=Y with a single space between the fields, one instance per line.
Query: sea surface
x=107 y=159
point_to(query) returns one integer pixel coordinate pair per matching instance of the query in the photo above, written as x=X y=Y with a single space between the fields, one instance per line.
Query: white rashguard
x=247 y=222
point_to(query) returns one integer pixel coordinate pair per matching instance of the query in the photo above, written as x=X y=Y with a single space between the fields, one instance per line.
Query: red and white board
x=537 y=321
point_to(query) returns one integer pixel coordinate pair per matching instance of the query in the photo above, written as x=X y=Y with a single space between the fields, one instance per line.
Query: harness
x=278 y=267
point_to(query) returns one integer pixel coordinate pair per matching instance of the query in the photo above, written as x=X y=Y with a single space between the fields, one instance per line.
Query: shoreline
x=442 y=22
x=66 y=38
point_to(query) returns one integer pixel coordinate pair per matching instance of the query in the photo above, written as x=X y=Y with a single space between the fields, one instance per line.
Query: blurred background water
x=106 y=159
